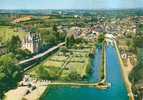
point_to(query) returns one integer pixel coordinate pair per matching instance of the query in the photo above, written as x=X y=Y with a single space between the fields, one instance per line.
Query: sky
x=70 y=4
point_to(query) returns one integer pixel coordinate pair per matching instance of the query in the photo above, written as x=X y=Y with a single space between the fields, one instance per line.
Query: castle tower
x=32 y=42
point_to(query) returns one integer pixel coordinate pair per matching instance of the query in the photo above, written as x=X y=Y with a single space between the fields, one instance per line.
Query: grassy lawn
x=6 y=33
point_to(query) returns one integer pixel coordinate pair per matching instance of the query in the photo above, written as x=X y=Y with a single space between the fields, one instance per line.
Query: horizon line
x=70 y=9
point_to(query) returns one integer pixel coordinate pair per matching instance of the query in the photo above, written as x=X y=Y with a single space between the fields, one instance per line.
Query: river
x=117 y=91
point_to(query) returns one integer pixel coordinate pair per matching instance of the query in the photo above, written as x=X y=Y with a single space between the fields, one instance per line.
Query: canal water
x=95 y=76
x=117 y=91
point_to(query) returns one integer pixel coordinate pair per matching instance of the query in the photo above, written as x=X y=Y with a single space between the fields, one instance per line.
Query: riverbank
x=20 y=93
x=125 y=74
x=36 y=94
x=103 y=66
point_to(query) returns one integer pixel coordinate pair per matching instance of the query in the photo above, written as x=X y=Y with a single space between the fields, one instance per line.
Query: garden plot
x=70 y=65
x=55 y=61
x=78 y=63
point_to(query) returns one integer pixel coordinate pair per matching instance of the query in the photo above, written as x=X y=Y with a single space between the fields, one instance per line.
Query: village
x=47 y=50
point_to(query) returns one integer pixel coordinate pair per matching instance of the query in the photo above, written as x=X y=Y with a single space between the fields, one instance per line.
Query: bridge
x=109 y=38
x=36 y=58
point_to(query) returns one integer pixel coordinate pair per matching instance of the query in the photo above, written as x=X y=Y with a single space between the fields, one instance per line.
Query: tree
x=22 y=54
x=9 y=72
x=138 y=41
x=62 y=36
x=8 y=66
x=14 y=44
x=51 y=39
x=70 y=40
x=55 y=29
x=100 y=40
x=57 y=35
x=131 y=46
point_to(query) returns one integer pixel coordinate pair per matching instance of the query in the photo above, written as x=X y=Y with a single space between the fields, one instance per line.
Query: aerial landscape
x=71 y=50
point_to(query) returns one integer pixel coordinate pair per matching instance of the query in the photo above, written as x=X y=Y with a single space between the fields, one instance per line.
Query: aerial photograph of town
x=71 y=49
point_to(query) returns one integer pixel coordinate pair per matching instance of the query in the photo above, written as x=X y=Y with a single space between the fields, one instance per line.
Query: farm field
x=6 y=33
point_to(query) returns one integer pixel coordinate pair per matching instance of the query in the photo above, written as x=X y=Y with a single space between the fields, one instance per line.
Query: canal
x=117 y=91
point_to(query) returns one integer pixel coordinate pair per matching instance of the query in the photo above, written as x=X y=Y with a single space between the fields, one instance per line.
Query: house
x=22 y=19
x=32 y=42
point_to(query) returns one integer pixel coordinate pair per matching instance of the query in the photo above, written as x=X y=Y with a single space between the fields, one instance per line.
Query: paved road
x=42 y=54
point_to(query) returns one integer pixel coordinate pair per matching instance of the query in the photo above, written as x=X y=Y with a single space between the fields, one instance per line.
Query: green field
x=6 y=33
